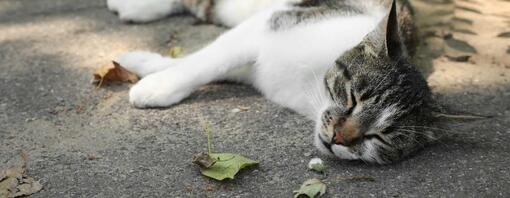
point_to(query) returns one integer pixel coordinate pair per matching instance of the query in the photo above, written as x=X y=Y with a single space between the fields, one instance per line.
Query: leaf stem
x=208 y=131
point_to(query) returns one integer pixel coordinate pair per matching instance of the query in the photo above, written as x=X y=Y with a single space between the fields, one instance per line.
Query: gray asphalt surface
x=88 y=142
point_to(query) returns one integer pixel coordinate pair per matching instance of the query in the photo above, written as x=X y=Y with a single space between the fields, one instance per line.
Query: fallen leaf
x=113 y=72
x=15 y=182
x=459 y=45
x=227 y=165
x=504 y=34
x=311 y=188
x=175 y=52
x=463 y=58
x=220 y=166
x=240 y=109
x=465 y=31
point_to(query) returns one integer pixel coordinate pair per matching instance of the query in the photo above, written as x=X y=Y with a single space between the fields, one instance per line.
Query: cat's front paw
x=141 y=11
x=161 y=89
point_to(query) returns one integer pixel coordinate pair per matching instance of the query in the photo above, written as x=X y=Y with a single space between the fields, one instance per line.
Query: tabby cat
x=341 y=63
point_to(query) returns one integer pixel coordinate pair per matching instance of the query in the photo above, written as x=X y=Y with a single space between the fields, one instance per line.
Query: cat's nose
x=346 y=133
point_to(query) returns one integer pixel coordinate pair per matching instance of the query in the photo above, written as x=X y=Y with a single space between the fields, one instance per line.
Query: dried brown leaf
x=175 y=52
x=114 y=72
x=204 y=160
x=463 y=58
x=244 y=108
x=15 y=182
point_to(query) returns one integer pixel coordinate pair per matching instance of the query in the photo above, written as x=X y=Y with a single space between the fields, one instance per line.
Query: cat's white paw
x=144 y=63
x=143 y=10
x=161 y=89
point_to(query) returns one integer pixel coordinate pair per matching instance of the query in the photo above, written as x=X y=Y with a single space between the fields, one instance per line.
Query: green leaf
x=227 y=165
x=318 y=167
x=316 y=164
x=311 y=188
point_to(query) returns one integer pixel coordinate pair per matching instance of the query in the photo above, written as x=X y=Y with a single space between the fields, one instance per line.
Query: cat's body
x=298 y=54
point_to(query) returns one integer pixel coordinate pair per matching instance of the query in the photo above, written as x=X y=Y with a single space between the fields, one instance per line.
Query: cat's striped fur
x=342 y=63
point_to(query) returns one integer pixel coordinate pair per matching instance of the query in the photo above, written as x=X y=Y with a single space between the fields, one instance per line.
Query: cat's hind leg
x=141 y=11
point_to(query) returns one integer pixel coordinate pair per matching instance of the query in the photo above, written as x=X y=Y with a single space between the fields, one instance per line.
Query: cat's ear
x=385 y=39
x=393 y=43
x=394 y=47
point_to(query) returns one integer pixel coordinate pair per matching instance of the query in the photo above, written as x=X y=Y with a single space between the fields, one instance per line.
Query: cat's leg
x=219 y=60
x=143 y=63
x=225 y=12
x=144 y=10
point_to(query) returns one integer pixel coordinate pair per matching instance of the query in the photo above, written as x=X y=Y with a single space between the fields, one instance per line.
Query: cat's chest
x=292 y=63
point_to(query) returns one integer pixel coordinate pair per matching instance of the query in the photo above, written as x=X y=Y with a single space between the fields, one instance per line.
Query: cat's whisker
x=318 y=88
x=430 y=128
x=314 y=100
x=413 y=138
x=418 y=132
x=429 y=136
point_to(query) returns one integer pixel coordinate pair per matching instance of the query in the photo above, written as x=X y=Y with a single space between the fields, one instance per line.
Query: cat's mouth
x=338 y=150
x=328 y=145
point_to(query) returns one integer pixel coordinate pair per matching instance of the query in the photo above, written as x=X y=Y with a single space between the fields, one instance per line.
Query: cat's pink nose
x=346 y=132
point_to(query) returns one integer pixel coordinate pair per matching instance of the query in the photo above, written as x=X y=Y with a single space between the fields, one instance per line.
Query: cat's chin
x=337 y=151
x=343 y=152
x=320 y=145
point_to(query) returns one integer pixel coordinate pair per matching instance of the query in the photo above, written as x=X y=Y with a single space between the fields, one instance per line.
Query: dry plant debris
x=15 y=182
x=175 y=52
x=113 y=72
x=311 y=188
x=220 y=166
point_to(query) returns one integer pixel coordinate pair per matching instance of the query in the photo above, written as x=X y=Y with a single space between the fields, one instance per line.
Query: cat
x=341 y=63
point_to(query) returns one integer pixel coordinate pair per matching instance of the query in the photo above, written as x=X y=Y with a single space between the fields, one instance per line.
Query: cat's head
x=378 y=102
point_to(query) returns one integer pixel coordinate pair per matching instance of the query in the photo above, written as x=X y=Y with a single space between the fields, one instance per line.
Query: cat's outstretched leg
x=141 y=11
x=222 y=59
x=144 y=63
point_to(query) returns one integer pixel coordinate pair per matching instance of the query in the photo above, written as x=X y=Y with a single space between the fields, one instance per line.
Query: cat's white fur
x=229 y=12
x=287 y=66
x=233 y=12
x=144 y=10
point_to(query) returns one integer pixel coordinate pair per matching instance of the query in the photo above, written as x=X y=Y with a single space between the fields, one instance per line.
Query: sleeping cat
x=341 y=63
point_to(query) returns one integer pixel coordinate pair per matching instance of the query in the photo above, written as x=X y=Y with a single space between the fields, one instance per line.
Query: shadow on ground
x=88 y=142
